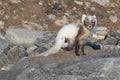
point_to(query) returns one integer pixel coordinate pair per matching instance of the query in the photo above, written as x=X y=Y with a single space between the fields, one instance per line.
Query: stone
x=115 y=35
x=2 y=23
x=40 y=49
x=3 y=61
x=51 y=16
x=15 y=1
x=119 y=42
x=98 y=67
x=100 y=33
x=7 y=67
x=110 y=41
x=61 y=22
x=16 y=53
x=56 y=5
x=87 y=4
x=113 y=18
x=32 y=26
x=47 y=41
x=104 y=3
x=78 y=2
x=40 y=3
x=3 y=45
x=30 y=49
x=23 y=37
x=104 y=66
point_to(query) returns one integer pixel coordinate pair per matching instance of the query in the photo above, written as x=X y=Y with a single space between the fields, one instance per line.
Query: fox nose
x=90 y=27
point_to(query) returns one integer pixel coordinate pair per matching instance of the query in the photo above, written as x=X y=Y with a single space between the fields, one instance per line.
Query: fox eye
x=93 y=22
x=86 y=23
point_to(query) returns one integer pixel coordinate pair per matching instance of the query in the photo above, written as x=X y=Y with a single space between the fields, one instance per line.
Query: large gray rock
x=22 y=37
x=3 y=45
x=47 y=41
x=99 y=67
x=113 y=38
x=16 y=53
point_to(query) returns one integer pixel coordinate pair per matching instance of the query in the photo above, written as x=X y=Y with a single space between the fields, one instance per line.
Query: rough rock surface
x=23 y=37
x=100 y=67
x=3 y=45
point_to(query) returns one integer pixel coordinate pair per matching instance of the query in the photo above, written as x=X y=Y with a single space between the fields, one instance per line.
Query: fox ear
x=95 y=18
x=83 y=18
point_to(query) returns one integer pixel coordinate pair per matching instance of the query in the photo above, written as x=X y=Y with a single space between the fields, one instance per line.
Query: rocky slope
x=32 y=25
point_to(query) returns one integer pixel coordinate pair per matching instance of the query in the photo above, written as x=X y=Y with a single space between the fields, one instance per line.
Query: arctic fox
x=71 y=34
x=65 y=39
x=89 y=24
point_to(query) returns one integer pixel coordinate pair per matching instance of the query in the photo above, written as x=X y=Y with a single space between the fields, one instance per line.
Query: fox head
x=89 y=21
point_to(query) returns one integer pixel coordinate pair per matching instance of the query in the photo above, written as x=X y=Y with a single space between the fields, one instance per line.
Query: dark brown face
x=90 y=23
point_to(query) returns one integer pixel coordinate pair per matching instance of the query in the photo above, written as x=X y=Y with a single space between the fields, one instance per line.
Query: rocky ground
x=32 y=25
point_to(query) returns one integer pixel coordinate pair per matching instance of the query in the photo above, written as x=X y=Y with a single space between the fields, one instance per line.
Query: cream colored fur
x=69 y=31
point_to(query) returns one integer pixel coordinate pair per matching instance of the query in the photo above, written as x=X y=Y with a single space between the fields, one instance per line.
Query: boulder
x=22 y=37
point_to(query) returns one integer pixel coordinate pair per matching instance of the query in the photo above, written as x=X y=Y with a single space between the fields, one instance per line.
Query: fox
x=65 y=39
x=67 y=36
x=89 y=24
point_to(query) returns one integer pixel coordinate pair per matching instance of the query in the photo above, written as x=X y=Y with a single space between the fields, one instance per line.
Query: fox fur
x=65 y=39
x=71 y=35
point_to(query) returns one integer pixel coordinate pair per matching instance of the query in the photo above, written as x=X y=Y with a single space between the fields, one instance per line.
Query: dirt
x=37 y=11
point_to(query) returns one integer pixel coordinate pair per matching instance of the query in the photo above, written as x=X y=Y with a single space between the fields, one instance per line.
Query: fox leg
x=82 y=48
x=79 y=45
x=77 y=48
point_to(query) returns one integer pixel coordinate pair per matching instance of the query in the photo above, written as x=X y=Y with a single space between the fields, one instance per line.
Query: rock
x=56 y=5
x=100 y=67
x=78 y=2
x=15 y=1
x=1 y=36
x=104 y=3
x=30 y=49
x=16 y=53
x=45 y=26
x=93 y=9
x=104 y=66
x=37 y=51
x=87 y=4
x=112 y=38
x=3 y=62
x=40 y=3
x=31 y=26
x=2 y=23
x=61 y=22
x=2 y=27
x=3 y=45
x=110 y=41
x=47 y=41
x=23 y=37
x=40 y=49
x=111 y=47
x=118 y=43
x=115 y=35
x=100 y=33
x=6 y=16
x=7 y=67
x=113 y=18
x=51 y=16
